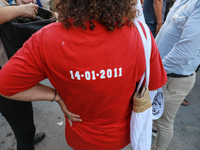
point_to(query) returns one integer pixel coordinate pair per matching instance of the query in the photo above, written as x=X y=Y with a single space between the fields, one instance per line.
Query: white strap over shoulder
x=147 y=50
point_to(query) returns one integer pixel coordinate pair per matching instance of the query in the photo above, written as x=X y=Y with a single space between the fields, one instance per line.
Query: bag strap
x=147 y=49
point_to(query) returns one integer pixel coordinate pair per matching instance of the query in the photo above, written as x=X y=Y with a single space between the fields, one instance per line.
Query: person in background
x=154 y=11
x=180 y=56
x=169 y=4
x=94 y=60
x=18 y=114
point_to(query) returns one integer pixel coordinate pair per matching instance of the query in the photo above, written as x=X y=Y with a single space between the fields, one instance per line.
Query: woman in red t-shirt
x=93 y=57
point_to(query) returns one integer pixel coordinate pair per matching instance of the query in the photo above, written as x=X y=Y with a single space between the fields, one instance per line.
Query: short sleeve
x=24 y=70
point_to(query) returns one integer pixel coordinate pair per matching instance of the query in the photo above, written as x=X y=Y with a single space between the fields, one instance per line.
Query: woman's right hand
x=69 y=115
x=28 y=10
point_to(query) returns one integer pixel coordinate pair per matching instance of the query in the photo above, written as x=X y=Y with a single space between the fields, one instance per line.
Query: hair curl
x=111 y=13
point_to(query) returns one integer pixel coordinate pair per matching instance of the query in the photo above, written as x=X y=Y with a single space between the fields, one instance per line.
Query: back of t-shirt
x=95 y=73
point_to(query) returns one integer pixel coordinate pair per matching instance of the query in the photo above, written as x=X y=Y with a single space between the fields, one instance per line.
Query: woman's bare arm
x=41 y=92
x=36 y=93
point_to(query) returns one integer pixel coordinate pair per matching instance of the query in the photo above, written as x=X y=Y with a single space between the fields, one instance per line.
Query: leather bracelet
x=55 y=95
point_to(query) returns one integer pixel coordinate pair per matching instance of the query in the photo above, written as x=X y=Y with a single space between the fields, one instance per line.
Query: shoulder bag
x=141 y=117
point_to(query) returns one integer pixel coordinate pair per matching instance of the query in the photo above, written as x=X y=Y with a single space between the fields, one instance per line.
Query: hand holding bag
x=15 y=32
x=141 y=117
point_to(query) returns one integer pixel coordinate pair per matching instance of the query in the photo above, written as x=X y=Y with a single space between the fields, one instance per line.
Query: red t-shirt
x=95 y=73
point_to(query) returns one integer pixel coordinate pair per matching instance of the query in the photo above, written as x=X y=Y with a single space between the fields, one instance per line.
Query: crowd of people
x=178 y=44
x=93 y=56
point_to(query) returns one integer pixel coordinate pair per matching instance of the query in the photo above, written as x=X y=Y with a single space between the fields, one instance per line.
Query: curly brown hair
x=111 y=13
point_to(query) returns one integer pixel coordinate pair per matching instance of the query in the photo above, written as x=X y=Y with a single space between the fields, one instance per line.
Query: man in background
x=178 y=44
x=154 y=11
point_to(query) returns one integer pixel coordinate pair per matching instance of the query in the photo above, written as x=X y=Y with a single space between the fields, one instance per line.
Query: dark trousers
x=20 y=117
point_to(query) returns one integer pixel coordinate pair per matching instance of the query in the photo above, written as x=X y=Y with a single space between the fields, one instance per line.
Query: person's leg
x=154 y=129
x=185 y=102
x=175 y=90
x=20 y=117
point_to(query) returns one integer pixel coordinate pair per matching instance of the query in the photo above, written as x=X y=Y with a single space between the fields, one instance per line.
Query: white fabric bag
x=156 y=96
x=141 y=123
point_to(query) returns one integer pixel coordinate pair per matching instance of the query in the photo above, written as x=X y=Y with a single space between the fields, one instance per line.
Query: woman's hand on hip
x=70 y=116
